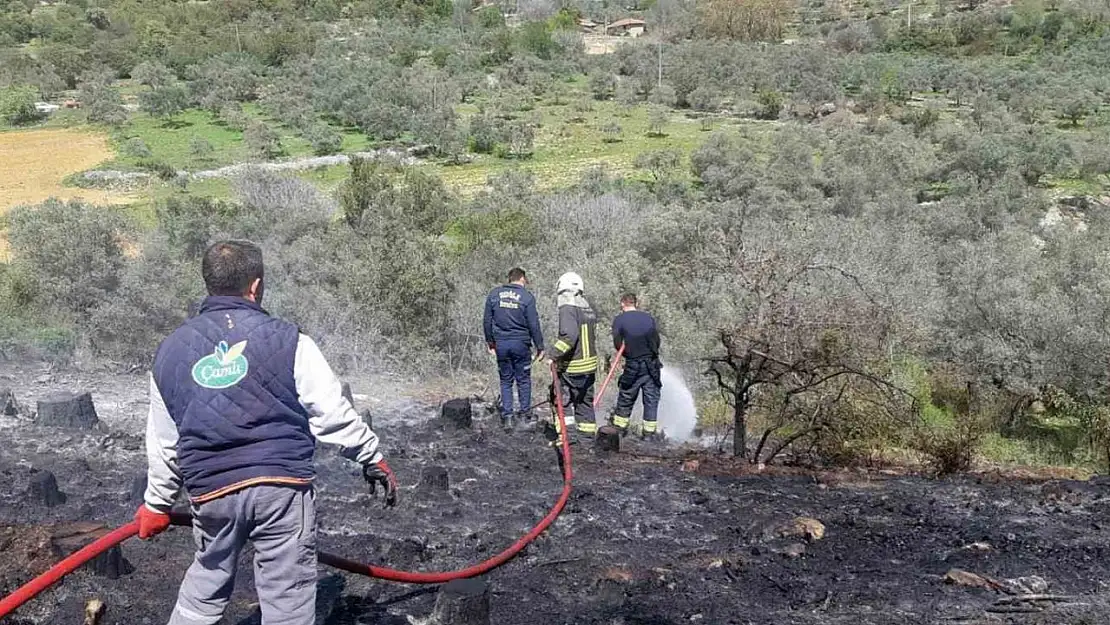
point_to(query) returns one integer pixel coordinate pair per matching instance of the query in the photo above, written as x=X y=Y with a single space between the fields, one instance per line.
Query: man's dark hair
x=230 y=267
x=628 y=299
x=516 y=274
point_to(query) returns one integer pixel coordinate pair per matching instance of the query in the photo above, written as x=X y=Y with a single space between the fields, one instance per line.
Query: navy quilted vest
x=226 y=376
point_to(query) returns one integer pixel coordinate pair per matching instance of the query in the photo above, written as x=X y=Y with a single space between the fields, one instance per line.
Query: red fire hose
x=612 y=370
x=32 y=588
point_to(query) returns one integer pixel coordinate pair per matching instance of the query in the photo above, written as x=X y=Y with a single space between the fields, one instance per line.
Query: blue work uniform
x=511 y=326
x=637 y=332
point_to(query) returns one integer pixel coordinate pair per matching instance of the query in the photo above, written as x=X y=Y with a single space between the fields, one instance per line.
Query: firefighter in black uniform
x=575 y=354
x=637 y=331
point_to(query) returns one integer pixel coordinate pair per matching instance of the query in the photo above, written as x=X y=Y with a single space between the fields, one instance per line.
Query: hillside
x=874 y=233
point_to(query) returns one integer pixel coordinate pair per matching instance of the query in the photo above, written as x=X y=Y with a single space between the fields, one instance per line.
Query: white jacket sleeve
x=163 y=478
x=331 y=418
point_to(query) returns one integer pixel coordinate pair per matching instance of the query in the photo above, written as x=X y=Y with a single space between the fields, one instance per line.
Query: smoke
x=677 y=413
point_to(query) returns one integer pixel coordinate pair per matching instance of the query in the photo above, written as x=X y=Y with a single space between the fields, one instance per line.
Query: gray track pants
x=280 y=523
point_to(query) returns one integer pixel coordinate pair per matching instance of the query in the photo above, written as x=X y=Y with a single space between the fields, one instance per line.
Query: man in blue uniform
x=512 y=327
x=637 y=331
x=238 y=400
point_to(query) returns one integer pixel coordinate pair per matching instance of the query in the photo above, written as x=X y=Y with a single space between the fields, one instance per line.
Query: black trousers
x=639 y=376
x=578 y=393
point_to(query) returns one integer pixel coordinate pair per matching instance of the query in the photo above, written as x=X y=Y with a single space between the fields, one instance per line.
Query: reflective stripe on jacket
x=576 y=348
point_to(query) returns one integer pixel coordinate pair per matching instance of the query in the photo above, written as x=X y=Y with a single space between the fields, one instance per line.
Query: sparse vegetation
x=885 y=189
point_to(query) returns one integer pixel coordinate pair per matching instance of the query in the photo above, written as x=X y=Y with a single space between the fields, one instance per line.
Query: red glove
x=380 y=473
x=151 y=522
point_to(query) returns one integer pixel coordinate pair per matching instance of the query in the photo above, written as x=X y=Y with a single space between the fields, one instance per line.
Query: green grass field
x=170 y=141
x=570 y=139
x=568 y=142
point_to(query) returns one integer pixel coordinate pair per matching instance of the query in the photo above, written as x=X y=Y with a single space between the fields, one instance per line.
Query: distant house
x=587 y=24
x=629 y=27
x=46 y=108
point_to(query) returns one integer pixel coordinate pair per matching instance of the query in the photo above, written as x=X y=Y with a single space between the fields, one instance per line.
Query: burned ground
x=648 y=536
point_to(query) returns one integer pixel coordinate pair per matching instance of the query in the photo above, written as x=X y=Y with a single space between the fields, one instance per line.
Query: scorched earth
x=653 y=535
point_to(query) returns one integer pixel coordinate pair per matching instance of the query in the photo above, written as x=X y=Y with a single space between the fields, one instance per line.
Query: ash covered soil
x=654 y=535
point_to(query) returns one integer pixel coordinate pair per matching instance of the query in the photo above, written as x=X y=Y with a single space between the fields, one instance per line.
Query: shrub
x=17 y=105
x=188 y=224
x=70 y=253
x=921 y=118
x=128 y=326
x=663 y=95
x=770 y=104
x=611 y=132
x=164 y=101
x=200 y=147
x=657 y=121
x=137 y=148
x=519 y=139
x=602 y=85
x=231 y=113
x=101 y=101
x=263 y=140
x=162 y=169
x=484 y=134
x=704 y=98
x=950 y=447
x=324 y=139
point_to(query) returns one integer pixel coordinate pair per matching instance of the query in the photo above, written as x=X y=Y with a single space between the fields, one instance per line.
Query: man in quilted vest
x=238 y=400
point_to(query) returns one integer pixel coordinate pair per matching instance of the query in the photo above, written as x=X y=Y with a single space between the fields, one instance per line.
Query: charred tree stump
x=44 y=489
x=68 y=410
x=434 y=479
x=8 y=405
x=67 y=538
x=347 y=393
x=111 y=564
x=608 y=439
x=462 y=602
x=457 y=413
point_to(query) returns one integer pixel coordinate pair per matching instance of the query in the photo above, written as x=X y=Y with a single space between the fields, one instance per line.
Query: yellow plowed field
x=33 y=164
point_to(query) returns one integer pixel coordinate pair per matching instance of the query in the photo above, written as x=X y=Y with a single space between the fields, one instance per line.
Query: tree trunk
x=763 y=443
x=974 y=403
x=740 y=426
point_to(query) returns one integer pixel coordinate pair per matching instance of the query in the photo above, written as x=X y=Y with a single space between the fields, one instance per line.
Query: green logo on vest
x=224 y=368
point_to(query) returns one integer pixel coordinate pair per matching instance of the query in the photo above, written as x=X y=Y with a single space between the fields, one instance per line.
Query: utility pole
x=238 y=42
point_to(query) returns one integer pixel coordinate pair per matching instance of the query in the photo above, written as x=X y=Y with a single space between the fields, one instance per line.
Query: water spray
x=678 y=414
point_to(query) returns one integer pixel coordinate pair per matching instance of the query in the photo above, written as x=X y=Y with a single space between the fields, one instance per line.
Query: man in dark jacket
x=575 y=353
x=637 y=332
x=238 y=400
x=512 y=327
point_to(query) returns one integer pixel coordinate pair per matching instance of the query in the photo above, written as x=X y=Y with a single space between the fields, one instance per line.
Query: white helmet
x=570 y=281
